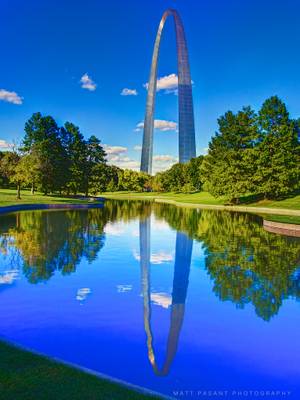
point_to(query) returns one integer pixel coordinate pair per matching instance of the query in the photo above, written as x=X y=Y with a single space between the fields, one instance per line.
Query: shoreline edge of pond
x=87 y=371
x=37 y=207
x=217 y=207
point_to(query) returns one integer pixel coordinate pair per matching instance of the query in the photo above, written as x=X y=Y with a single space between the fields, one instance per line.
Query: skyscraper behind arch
x=187 y=145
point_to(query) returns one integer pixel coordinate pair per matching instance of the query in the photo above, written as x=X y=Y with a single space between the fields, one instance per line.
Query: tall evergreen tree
x=76 y=149
x=95 y=155
x=278 y=151
x=228 y=168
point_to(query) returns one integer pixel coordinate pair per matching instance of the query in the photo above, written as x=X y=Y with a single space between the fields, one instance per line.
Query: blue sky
x=241 y=52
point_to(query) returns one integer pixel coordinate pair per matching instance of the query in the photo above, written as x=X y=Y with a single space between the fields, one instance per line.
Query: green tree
x=8 y=167
x=76 y=149
x=173 y=179
x=3 y=179
x=278 y=151
x=95 y=155
x=104 y=178
x=43 y=136
x=228 y=168
x=193 y=175
x=28 y=170
x=133 y=180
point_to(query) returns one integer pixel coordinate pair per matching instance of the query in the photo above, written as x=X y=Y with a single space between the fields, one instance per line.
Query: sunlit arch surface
x=187 y=145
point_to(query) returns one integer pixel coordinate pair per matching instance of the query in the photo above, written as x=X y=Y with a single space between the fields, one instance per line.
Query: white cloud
x=114 y=149
x=168 y=83
x=123 y=161
x=87 y=83
x=9 y=277
x=137 y=147
x=10 y=97
x=162 y=162
x=156 y=258
x=161 y=299
x=161 y=257
x=114 y=229
x=159 y=225
x=129 y=92
x=4 y=145
x=82 y=294
x=117 y=155
x=159 y=124
x=124 y=288
x=128 y=163
x=164 y=157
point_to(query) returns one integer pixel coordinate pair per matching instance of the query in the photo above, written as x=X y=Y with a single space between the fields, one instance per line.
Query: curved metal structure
x=183 y=255
x=187 y=145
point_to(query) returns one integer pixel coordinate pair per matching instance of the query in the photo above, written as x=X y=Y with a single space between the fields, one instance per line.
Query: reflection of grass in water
x=24 y=375
x=285 y=219
x=8 y=198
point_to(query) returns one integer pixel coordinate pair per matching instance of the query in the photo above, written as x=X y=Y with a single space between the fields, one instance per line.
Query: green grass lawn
x=194 y=198
x=292 y=203
x=26 y=376
x=285 y=219
x=8 y=198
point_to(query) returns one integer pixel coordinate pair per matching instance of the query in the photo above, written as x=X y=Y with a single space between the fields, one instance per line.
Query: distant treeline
x=251 y=153
x=55 y=159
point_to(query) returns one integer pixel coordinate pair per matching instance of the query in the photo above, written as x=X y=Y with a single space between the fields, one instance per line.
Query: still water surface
x=168 y=298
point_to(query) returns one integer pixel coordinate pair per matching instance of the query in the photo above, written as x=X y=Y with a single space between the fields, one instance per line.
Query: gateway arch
x=187 y=145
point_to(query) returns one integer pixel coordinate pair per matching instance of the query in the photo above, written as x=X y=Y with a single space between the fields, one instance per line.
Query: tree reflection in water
x=43 y=242
x=246 y=263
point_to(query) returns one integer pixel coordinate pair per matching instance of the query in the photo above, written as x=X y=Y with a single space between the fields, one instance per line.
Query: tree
x=278 y=150
x=193 y=176
x=42 y=135
x=8 y=167
x=3 y=179
x=75 y=147
x=133 y=180
x=228 y=168
x=28 y=170
x=104 y=178
x=95 y=155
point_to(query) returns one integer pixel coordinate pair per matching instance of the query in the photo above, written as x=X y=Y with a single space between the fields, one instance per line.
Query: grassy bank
x=192 y=198
x=292 y=203
x=24 y=376
x=288 y=209
x=8 y=198
x=284 y=219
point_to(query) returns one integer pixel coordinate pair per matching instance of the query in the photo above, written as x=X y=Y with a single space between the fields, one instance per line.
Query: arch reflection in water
x=183 y=255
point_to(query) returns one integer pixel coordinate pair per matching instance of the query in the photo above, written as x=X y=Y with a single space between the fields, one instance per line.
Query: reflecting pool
x=180 y=301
